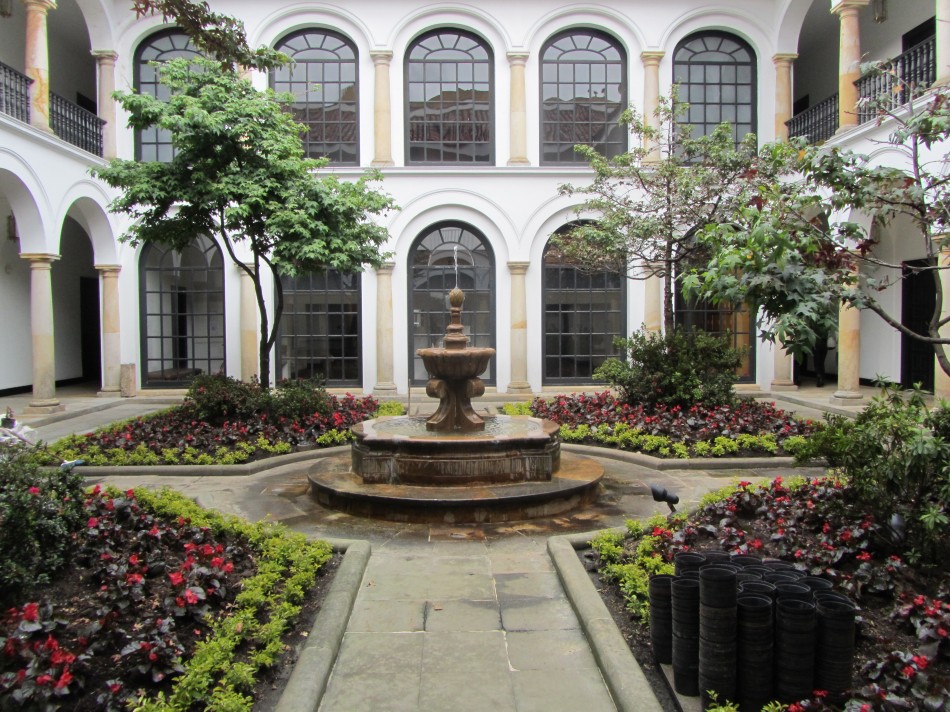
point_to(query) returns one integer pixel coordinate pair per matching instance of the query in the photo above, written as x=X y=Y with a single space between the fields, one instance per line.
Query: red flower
x=64 y=680
x=93 y=522
x=755 y=544
x=863 y=556
x=191 y=597
x=134 y=559
x=133 y=579
x=921 y=661
x=42 y=680
x=31 y=612
x=34 y=490
x=176 y=578
x=845 y=535
x=909 y=672
x=114 y=687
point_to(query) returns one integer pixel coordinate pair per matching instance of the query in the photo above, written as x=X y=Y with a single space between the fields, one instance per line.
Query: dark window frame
x=475 y=338
x=488 y=124
x=607 y=125
x=311 y=147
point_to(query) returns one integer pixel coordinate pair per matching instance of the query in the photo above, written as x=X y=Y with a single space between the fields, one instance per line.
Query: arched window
x=320 y=328
x=584 y=312
x=322 y=78
x=583 y=93
x=181 y=298
x=446 y=255
x=716 y=75
x=154 y=144
x=449 y=99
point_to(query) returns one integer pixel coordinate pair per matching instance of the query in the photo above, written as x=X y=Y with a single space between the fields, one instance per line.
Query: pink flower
x=176 y=578
x=34 y=490
x=93 y=522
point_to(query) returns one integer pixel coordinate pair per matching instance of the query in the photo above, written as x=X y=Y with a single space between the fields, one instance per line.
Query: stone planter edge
x=308 y=681
x=630 y=689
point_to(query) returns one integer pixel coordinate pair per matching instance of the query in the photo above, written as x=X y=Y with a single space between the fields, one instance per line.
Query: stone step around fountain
x=575 y=484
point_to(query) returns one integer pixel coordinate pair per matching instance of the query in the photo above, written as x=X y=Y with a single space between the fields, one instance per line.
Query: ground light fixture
x=660 y=494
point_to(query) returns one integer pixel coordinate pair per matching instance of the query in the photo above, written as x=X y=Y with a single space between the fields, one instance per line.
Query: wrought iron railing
x=75 y=125
x=14 y=93
x=817 y=123
x=889 y=86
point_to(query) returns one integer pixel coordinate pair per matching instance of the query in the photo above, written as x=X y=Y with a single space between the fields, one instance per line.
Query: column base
x=846 y=398
x=784 y=385
x=382 y=164
x=110 y=392
x=44 y=407
x=520 y=388
x=384 y=389
x=519 y=162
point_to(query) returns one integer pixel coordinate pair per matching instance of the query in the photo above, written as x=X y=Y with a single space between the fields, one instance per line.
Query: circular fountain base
x=334 y=485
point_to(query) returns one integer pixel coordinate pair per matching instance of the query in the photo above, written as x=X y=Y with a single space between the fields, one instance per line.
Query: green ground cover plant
x=150 y=602
x=824 y=527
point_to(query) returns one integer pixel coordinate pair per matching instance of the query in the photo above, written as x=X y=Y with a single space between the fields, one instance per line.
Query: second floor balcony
x=884 y=88
x=69 y=121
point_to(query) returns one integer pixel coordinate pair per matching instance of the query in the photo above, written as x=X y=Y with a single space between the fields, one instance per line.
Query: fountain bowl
x=456 y=364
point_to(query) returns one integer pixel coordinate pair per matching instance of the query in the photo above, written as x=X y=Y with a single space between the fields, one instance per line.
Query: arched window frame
x=559 y=77
x=442 y=142
x=478 y=311
x=310 y=79
x=145 y=81
x=572 y=366
x=175 y=310
x=708 y=87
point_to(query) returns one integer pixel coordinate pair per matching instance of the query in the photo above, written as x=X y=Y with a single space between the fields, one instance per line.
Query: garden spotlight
x=661 y=495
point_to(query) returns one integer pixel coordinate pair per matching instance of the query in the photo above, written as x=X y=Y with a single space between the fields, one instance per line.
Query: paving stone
x=473 y=651
x=463 y=691
x=524 y=562
x=546 y=691
x=471 y=587
x=378 y=692
x=551 y=650
x=530 y=613
x=387 y=616
x=537 y=585
x=403 y=586
x=462 y=615
x=363 y=653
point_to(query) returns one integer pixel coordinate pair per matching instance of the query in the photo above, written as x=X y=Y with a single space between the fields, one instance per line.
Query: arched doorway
x=446 y=255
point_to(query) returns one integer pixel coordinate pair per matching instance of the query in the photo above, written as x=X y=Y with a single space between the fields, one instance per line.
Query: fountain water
x=456 y=465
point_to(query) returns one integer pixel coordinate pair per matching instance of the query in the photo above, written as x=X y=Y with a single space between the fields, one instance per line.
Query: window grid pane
x=154 y=144
x=182 y=313
x=432 y=276
x=323 y=81
x=720 y=320
x=583 y=93
x=449 y=100
x=319 y=335
x=583 y=313
x=716 y=75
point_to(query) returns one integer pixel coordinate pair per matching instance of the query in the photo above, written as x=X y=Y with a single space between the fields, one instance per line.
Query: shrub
x=39 y=514
x=676 y=368
x=390 y=408
x=297 y=398
x=897 y=465
x=218 y=397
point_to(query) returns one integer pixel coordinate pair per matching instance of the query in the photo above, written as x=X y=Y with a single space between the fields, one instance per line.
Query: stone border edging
x=630 y=689
x=308 y=681
x=692 y=463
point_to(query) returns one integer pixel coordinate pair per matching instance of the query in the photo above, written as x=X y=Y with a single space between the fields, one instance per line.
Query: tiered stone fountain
x=456 y=466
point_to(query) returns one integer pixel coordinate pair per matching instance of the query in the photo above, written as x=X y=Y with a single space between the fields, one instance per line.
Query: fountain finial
x=456 y=298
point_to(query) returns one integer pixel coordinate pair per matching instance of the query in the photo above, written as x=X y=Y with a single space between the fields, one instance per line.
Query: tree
x=786 y=253
x=647 y=209
x=239 y=172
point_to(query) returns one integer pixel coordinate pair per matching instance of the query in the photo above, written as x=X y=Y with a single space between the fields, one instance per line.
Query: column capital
x=518 y=267
x=38 y=259
x=386 y=268
x=517 y=57
x=784 y=58
x=652 y=56
x=105 y=56
x=381 y=56
x=108 y=269
x=842 y=6
x=44 y=5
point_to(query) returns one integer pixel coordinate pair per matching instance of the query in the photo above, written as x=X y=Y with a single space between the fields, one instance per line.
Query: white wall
x=75 y=261
x=16 y=347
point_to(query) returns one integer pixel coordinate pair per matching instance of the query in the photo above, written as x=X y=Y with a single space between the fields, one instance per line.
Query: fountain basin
x=456 y=364
x=401 y=450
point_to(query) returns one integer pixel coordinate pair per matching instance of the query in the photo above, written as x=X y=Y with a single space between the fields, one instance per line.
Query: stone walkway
x=455 y=618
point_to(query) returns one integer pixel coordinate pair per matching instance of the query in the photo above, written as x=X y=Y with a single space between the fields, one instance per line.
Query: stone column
x=849 y=357
x=519 y=329
x=519 y=116
x=41 y=327
x=653 y=303
x=111 y=353
x=943 y=42
x=250 y=328
x=105 y=61
x=849 y=61
x=382 y=113
x=941 y=379
x=651 y=98
x=783 y=93
x=385 y=383
x=37 y=61
x=782 y=365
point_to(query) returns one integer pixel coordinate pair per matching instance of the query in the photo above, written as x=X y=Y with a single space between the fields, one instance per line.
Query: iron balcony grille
x=906 y=76
x=14 y=93
x=817 y=123
x=75 y=125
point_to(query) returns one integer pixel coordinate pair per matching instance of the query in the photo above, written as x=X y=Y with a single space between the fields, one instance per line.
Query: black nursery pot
x=835 y=645
x=796 y=591
x=661 y=618
x=794 y=650
x=717 y=587
x=688 y=561
x=816 y=583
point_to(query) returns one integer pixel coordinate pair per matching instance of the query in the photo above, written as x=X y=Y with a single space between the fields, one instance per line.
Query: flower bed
x=181 y=436
x=745 y=428
x=161 y=603
x=903 y=658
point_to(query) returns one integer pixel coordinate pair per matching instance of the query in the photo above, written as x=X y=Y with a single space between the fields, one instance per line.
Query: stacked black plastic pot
x=751 y=631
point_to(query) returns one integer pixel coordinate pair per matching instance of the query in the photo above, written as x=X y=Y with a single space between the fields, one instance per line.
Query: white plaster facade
x=61 y=211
